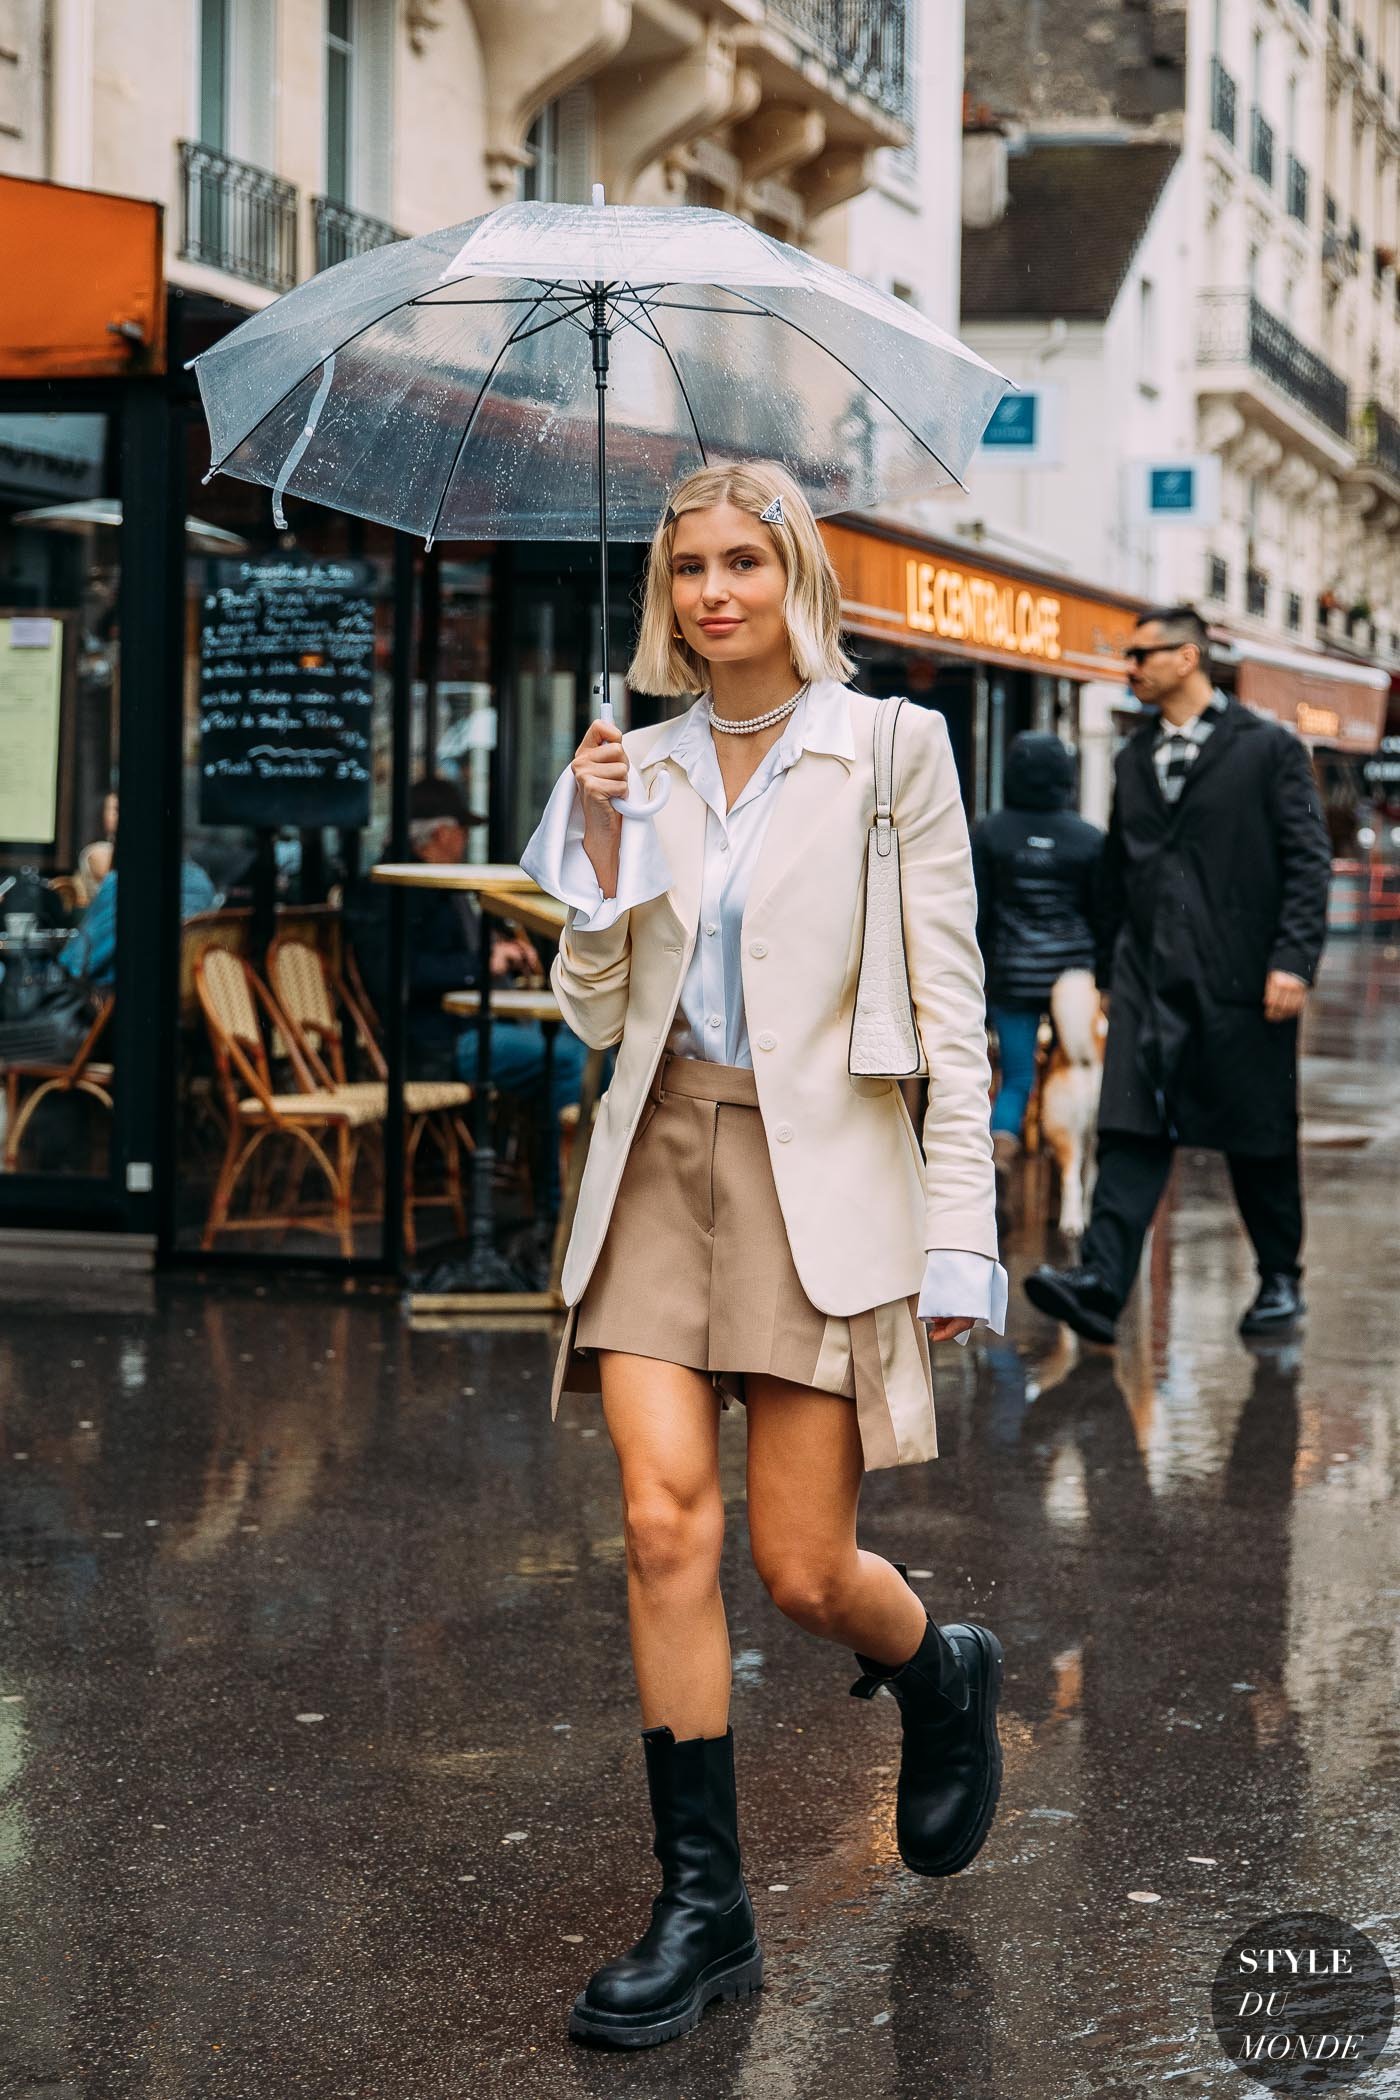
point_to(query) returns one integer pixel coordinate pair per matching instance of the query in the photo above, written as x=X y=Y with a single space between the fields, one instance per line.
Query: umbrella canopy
x=446 y=385
x=201 y=537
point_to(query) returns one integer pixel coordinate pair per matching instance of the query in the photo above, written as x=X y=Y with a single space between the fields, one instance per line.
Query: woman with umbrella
x=753 y=1222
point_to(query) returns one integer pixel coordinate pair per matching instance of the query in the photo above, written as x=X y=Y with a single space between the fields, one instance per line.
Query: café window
x=60 y=700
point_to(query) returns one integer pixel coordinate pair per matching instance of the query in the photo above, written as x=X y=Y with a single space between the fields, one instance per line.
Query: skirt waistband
x=696 y=1077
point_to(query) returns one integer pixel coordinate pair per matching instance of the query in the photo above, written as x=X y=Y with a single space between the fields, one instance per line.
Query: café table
x=504 y=892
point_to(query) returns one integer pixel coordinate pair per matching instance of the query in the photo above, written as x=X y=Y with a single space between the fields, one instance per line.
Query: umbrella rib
x=664 y=347
x=767 y=313
x=514 y=337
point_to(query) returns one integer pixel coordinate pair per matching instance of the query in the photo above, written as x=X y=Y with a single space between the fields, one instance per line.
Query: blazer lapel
x=680 y=827
x=802 y=802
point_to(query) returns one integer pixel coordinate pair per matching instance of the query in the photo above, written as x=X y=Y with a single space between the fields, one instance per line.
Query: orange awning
x=84 y=289
x=1327 y=701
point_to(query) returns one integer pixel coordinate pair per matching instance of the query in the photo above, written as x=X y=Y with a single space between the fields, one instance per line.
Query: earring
x=676 y=635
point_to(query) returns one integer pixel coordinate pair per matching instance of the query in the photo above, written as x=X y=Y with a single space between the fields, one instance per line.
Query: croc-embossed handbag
x=884 y=1038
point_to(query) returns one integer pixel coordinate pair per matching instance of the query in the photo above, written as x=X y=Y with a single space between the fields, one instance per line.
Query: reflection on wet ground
x=319 y=1771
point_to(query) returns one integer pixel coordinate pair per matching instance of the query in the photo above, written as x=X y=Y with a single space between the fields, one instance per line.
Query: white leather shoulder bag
x=884 y=1039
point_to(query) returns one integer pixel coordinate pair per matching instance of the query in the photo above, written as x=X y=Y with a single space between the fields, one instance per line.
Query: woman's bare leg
x=664 y=1424
x=804 y=1477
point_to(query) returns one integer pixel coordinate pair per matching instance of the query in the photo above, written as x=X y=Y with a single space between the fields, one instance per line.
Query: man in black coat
x=1213 y=911
x=1035 y=864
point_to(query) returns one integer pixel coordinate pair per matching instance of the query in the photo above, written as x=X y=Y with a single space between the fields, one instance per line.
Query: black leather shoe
x=701 y=1942
x=1278 y=1303
x=1076 y=1296
x=950 y=1764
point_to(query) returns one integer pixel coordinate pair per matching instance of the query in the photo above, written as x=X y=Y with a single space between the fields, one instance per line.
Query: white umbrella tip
x=598 y=195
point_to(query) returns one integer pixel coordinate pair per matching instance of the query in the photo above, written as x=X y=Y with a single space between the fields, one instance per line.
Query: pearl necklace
x=751 y=724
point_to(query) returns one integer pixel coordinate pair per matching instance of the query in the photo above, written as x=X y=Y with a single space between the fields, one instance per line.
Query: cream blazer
x=862 y=1203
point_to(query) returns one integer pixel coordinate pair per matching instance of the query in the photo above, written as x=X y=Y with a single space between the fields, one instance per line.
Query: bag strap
x=886 y=722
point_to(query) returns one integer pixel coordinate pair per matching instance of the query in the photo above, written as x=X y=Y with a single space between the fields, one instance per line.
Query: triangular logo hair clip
x=774 y=513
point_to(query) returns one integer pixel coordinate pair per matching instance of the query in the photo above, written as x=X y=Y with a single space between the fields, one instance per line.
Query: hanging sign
x=286 y=694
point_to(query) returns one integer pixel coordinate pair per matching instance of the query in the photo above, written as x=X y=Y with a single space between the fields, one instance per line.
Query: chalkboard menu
x=286 y=694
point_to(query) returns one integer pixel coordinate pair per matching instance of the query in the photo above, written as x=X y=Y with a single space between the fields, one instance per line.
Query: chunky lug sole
x=732 y=1976
x=1050 y=1297
x=993 y=1659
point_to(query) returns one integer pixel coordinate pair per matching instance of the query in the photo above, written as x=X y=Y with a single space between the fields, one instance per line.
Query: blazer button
x=758 y=947
x=767 y=1041
x=783 y=1133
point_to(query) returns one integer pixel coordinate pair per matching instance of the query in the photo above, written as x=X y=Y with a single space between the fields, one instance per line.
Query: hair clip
x=670 y=517
x=774 y=513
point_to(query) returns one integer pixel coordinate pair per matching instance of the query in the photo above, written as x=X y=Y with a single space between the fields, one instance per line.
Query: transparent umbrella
x=549 y=371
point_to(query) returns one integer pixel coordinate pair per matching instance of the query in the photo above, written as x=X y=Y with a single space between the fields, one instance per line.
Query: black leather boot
x=701 y=1942
x=950 y=1764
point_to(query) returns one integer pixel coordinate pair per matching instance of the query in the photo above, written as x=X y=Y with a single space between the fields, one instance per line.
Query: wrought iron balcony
x=1297 y=189
x=1222 y=101
x=1261 y=147
x=866 y=42
x=341 y=232
x=1238 y=329
x=1377 y=439
x=238 y=218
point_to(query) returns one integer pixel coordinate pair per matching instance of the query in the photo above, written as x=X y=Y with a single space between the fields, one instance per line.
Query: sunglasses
x=1140 y=656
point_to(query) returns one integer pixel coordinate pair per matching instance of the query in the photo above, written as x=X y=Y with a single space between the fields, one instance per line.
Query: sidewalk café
x=996 y=649
x=219 y=1040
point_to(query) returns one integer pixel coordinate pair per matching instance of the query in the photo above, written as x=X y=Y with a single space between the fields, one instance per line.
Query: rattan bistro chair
x=432 y=1107
x=321 y=1126
x=81 y=1075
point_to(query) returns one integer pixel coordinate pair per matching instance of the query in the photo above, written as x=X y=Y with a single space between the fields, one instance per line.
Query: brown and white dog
x=1069 y=1093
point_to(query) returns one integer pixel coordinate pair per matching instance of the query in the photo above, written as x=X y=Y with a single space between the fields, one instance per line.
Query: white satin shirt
x=710 y=1022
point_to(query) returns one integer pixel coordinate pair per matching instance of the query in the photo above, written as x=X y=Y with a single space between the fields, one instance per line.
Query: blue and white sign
x=1024 y=430
x=1174 y=491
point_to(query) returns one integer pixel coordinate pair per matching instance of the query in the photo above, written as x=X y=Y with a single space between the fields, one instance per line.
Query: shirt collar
x=821 y=722
x=1217 y=705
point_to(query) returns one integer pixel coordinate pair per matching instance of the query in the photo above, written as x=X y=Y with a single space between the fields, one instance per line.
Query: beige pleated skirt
x=695 y=1269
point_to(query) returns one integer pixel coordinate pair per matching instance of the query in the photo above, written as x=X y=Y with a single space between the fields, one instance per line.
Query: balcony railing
x=237 y=217
x=865 y=41
x=341 y=232
x=1297 y=189
x=1222 y=101
x=1238 y=329
x=1261 y=147
x=1377 y=439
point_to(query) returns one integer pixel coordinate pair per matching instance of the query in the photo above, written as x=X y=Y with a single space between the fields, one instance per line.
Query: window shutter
x=252 y=81
x=574 y=132
x=372 y=175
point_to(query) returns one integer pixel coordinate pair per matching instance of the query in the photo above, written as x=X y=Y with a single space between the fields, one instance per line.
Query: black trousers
x=1132 y=1174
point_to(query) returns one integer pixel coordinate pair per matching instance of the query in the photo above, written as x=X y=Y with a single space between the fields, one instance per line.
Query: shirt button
x=783 y=1133
x=758 y=947
x=767 y=1041
x=724 y=845
x=715 y=1021
x=712 y=928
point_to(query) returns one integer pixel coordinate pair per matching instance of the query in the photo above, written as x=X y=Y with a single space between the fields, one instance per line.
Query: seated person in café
x=443 y=941
x=92 y=953
x=95 y=861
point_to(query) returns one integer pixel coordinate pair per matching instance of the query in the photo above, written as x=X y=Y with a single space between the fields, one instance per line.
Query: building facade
x=1178 y=245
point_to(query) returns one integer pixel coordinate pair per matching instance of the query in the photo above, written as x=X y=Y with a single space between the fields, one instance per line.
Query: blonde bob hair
x=811 y=609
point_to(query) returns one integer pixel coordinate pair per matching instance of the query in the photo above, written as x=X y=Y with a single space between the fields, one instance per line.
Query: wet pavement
x=319 y=1764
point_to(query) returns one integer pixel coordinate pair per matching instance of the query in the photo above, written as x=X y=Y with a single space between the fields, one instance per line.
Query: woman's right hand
x=599 y=767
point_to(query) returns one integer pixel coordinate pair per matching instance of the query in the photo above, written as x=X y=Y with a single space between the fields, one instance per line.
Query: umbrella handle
x=630 y=807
